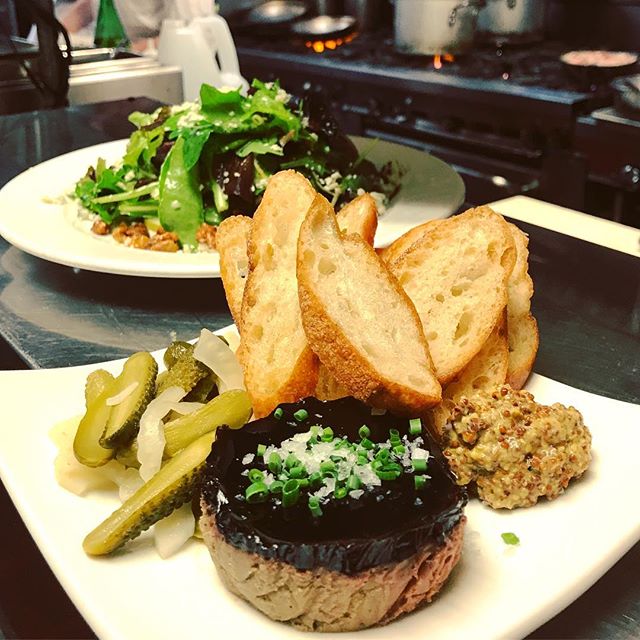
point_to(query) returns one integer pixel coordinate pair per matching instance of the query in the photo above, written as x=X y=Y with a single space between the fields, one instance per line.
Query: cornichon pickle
x=232 y=408
x=175 y=351
x=124 y=419
x=202 y=391
x=185 y=373
x=86 y=444
x=171 y=487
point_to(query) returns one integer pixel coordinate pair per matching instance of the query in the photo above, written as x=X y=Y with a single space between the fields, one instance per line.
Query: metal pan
x=324 y=26
x=597 y=66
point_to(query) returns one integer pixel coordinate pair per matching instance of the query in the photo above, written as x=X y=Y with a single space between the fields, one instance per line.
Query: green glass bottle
x=109 y=30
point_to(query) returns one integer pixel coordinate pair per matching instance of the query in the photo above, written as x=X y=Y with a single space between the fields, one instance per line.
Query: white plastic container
x=205 y=52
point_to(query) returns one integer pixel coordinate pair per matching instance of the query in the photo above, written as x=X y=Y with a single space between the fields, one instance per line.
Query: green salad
x=200 y=162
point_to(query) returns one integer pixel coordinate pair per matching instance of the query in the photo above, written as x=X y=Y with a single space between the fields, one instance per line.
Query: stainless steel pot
x=429 y=27
x=521 y=20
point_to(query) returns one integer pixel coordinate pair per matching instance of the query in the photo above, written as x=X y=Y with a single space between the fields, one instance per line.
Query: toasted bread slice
x=359 y=320
x=456 y=276
x=523 y=329
x=360 y=216
x=278 y=364
x=231 y=241
x=523 y=347
x=487 y=370
x=407 y=240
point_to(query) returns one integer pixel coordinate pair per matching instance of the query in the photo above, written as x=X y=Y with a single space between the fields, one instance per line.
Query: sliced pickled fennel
x=124 y=419
x=86 y=444
x=171 y=487
x=232 y=408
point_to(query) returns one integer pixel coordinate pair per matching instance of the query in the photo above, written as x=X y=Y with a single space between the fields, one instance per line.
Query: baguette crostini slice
x=487 y=370
x=231 y=242
x=359 y=321
x=457 y=275
x=360 y=216
x=523 y=328
x=279 y=366
x=391 y=253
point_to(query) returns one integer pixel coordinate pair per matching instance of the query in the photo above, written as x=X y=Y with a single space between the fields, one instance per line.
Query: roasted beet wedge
x=361 y=559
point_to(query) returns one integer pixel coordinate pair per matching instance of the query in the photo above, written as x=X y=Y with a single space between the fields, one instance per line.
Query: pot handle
x=476 y=5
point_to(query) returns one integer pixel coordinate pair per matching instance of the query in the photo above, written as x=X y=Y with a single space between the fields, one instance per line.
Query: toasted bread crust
x=231 y=241
x=278 y=364
x=402 y=244
x=431 y=269
x=524 y=340
x=326 y=335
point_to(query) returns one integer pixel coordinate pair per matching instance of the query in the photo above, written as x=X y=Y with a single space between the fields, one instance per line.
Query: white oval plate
x=48 y=230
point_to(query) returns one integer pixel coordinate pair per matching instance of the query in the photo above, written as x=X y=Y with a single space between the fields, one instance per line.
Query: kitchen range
x=509 y=112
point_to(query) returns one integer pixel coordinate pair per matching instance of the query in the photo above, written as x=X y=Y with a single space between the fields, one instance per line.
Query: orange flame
x=439 y=59
x=321 y=45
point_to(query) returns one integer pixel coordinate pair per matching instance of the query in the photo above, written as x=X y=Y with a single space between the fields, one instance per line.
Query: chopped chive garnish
x=314 y=507
x=399 y=449
x=327 y=465
x=419 y=481
x=332 y=473
x=394 y=434
x=278 y=413
x=274 y=463
x=387 y=475
x=340 y=492
x=290 y=493
x=366 y=443
x=510 y=538
x=304 y=483
x=300 y=415
x=362 y=459
x=315 y=479
x=353 y=483
x=276 y=486
x=327 y=435
x=383 y=455
x=415 y=427
x=255 y=475
x=256 y=492
x=291 y=461
x=261 y=449
x=364 y=431
x=419 y=464
x=297 y=472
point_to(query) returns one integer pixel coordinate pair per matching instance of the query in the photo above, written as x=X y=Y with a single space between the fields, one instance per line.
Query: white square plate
x=495 y=592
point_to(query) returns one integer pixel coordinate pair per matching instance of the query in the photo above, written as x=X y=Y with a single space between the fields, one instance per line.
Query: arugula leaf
x=180 y=207
x=213 y=100
x=140 y=119
x=260 y=147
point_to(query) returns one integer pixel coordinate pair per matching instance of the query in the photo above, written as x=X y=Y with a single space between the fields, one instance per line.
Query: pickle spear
x=232 y=408
x=168 y=489
x=86 y=444
x=124 y=419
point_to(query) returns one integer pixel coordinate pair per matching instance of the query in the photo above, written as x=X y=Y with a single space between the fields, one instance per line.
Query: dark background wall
x=611 y=24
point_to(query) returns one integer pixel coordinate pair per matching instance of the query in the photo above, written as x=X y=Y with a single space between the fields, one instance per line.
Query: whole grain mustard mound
x=514 y=449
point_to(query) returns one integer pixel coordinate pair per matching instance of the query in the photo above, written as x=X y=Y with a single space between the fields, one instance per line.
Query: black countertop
x=587 y=303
